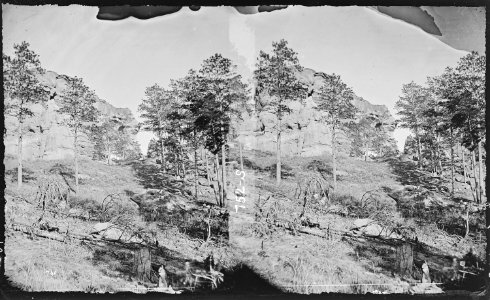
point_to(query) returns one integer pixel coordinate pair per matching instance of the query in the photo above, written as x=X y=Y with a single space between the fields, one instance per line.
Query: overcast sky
x=373 y=53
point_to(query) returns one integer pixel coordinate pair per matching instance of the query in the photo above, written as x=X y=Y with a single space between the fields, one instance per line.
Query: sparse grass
x=296 y=263
x=50 y=265
x=40 y=265
x=358 y=274
x=101 y=179
x=304 y=264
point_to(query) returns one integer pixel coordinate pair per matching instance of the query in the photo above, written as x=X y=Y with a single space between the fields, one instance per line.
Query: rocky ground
x=274 y=243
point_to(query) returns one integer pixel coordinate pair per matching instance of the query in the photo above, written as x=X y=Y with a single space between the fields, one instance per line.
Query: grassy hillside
x=264 y=242
x=75 y=265
x=309 y=264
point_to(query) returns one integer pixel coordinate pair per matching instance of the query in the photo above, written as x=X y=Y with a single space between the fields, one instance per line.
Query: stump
x=142 y=264
x=404 y=259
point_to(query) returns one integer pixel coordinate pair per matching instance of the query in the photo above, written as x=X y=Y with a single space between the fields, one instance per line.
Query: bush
x=27 y=175
x=251 y=165
x=319 y=166
x=62 y=169
x=110 y=209
x=195 y=224
x=286 y=170
x=51 y=191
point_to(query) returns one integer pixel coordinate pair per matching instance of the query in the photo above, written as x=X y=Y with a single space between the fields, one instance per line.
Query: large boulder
x=79 y=213
x=370 y=227
x=111 y=232
x=45 y=134
x=162 y=199
x=425 y=288
x=377 y=200
x=305 y=133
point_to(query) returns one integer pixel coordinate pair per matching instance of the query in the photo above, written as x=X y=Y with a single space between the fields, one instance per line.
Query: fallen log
x=62 y=237
x=327 y=233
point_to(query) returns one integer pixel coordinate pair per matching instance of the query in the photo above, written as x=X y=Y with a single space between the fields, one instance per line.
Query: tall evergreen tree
x=22 y=88
x=225 y=94
x=154 y=109
x=335 y=99
x=78 y=104
x=463 y=88
x=275 y=77
x=410 y=107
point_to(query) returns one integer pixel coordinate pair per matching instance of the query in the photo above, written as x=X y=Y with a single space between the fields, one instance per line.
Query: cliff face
x=304 y=134
x=45 y=135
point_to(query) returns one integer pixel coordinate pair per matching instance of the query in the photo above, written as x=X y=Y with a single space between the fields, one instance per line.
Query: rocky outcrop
x=46 y=136
x=304 y=132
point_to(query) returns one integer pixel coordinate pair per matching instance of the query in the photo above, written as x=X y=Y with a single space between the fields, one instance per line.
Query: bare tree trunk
x=184 y=170
x=480 y=168
x=487 y=215
x=195 y=174
x=439 y=160
x=241 y=156
x=109 y=155
x=19 y=156
x=467 y=220
x=162 y=155
x=473 y=166
x=160 y=136
x=334 y=163
x=182 y=161
x=278 y=152
x=207 y=166
x=434 y=162
x=365 y=151
x=404 y=257
x=419 y=150
x=75 y=151
x=142 y=264
x=220 y=184
x=452 y=163
x=208 y=176
x=177 y=163
x=464 y=165
x=223 y=173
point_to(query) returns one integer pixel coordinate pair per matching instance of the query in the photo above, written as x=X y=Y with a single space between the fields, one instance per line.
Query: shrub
x=250 y=164
x=286 y=170
x=319 y=166
x=27 y=175
x=51 y=191
x=62 y=169
x=110 y=209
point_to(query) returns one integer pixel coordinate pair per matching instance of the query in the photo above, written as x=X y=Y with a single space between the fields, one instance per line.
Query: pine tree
x=108 y=139
x=78 y=104
x=275 y=77
x=22 y=88
x=154 y=109
x=189 y=91
x=464 y=91
x=225 y=95
x=410 y=107
x=335 y=99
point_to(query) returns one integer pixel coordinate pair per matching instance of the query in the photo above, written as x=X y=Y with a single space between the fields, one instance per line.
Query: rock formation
x=45 y=134
x=304 y=133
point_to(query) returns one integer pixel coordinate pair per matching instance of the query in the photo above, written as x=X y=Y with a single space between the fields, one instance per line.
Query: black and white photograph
x=259 y=150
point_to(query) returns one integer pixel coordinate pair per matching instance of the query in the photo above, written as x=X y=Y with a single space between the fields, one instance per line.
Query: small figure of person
x=425 y=273
x=455 y=268
x=470 y=259
x=162 y=280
